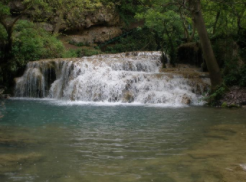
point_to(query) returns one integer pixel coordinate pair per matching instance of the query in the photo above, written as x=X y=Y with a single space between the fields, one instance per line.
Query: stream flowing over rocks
x=132 y=77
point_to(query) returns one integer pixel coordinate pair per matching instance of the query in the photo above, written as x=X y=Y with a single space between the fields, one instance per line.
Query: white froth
x=126 y=78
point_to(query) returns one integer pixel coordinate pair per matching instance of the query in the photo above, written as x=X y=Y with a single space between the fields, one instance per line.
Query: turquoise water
x=44 y=140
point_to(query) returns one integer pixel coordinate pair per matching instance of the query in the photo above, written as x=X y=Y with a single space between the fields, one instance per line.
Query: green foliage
x=139 y=40
x=72 y=53
x=224 y=104
x=4 y=9
x=230 y=59
x=166 y=24
x=225 y=18
x=90 y=52
x=127 y=9
x=29 y=43
x=214 y=97
x=236 y=76
x=3 y=34
x=79 y=44
x=33 y=43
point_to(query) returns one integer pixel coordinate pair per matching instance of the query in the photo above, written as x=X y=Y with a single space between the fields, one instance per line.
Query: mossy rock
x=224 y=104
x=234 y=106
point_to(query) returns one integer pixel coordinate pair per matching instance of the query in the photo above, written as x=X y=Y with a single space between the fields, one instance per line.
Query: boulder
x=46 y=26
x=185 y=100
x=4 y=96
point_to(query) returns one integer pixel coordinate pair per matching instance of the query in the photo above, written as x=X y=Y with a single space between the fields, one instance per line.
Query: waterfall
x=133 y=77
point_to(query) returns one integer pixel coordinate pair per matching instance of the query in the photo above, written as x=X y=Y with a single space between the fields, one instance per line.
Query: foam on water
x=109 y=79
x=243 y=166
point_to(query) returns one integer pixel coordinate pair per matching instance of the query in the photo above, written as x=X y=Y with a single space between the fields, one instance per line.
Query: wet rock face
x=185 y=100
x=46 y=26
x=86 y=19
x=85 y=27
x=95 y=35
x=103 y=16
x=92 y=27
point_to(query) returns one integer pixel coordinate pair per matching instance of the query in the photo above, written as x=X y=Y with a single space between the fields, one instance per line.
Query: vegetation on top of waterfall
x=33 y=43
x=29 y=43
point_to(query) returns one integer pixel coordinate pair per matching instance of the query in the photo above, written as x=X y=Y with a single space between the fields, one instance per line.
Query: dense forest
x=210 y=34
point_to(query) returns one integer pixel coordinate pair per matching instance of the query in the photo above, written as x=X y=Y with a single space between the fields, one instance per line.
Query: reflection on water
x=40 y=141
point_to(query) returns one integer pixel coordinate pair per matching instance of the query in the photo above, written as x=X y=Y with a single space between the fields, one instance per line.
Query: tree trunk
x=212 y=65
x=9 y=41
x=9 y=28
x=216 y=21
x=58 y=23
x=171 y=46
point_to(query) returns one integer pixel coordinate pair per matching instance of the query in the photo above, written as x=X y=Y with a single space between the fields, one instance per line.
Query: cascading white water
x=126 y=77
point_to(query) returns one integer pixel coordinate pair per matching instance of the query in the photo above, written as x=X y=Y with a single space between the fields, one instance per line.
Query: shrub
x=236 y=76
x=79 y=44
x=214 y=97
x=29 y=43
x=33 y=43
x=90 y=52
x=72 y=53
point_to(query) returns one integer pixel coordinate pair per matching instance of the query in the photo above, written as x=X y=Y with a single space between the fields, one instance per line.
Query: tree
x=165 y=23
x=176 y=14
x=224 y=17
x=212 y=65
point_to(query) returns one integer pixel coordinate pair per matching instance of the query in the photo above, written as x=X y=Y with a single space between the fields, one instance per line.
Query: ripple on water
x=139 y=144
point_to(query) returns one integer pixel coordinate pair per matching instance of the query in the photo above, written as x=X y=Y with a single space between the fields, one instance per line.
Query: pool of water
x=41 y=140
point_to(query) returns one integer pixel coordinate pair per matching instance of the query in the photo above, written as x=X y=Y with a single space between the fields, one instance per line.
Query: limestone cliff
x=88 y=27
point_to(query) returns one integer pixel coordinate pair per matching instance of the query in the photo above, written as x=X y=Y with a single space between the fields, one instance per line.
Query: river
x=58 y=141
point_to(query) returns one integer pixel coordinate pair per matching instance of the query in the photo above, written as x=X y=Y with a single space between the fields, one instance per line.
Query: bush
x=236 y=76
x=230 y=56
x=90 y=52
x=79 y=44
x=34 y=43
x=30 y=43
x=72 y=53
x=214 y=97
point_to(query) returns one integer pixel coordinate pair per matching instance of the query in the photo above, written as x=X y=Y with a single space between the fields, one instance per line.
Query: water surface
x=41 y=140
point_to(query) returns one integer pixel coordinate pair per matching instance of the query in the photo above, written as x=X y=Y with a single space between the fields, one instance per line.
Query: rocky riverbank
x=234 y=97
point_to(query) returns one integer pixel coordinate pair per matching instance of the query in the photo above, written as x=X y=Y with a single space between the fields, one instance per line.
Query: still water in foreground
x=42 y=140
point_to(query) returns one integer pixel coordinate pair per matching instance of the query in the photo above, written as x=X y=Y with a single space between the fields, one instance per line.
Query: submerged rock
x=12 y=162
